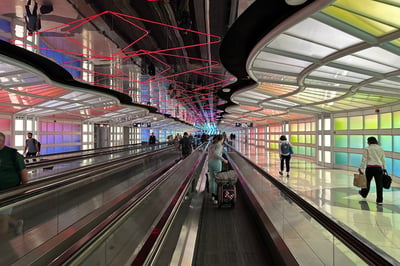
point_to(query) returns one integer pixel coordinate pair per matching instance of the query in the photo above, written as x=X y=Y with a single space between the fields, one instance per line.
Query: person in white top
x=374 y=160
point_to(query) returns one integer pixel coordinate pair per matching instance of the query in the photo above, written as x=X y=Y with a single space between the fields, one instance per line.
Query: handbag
x=226 y=177
x=386 y=180
x=360 y=180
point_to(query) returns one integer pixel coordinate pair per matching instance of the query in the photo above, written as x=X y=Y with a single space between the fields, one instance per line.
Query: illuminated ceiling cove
x=344 y=57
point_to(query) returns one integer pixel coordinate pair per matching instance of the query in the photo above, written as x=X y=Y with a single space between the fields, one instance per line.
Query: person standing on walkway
x=152 y=139
x=215 y=160
x=285 y=151
x=373 y=159
x=12 y=174
x=32 y=146
x=186 y=145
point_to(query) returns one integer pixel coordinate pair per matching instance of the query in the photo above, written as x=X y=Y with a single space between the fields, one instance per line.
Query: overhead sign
x=142 y=124
x=244 y=124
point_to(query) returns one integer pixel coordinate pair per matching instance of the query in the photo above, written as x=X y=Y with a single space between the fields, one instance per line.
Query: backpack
x=285 y=148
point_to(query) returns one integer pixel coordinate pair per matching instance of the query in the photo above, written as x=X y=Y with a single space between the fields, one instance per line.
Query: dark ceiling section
x=259 y=19
x=194 y=82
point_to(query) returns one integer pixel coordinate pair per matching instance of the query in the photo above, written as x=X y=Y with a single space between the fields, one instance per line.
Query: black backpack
x=285 y=148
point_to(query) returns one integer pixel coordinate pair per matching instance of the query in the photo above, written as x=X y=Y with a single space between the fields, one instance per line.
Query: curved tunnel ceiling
x=344 y=56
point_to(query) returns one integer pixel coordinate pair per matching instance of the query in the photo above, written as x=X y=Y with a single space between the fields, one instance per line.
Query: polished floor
x=332 y=191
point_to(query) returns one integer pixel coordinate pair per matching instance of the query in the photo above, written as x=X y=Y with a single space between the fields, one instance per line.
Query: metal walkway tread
x=229 y=237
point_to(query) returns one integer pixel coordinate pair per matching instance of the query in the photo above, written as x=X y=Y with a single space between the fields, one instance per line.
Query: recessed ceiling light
x=295 y=2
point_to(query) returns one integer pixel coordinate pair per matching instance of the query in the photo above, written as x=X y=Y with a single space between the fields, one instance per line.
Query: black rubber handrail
x=352 y=240
x=66 y=178
x=46 y=163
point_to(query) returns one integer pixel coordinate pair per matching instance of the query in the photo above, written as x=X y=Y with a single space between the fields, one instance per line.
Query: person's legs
x=28 y=9
x=378 y=172
x=214 y=166
x=287 y=162
x=282 y=162
x=368 y=174
x=35 y=7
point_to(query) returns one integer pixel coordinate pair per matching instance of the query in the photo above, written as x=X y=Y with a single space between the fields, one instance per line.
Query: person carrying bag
x=374 y=160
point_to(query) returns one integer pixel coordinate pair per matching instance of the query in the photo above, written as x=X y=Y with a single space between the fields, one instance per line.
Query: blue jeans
x=214 y=166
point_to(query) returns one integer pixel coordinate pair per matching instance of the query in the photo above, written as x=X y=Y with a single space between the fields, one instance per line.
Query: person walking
x=215 y=160
x=32 y=145
x=12 y=174
x=373 y=159
x=186 y=145
x=285 y=151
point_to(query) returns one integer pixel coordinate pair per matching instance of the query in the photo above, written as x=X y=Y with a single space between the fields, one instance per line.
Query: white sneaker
x=19 y=228
x=215 y=202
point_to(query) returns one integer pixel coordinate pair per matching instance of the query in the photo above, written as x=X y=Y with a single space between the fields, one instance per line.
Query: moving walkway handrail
x=113 y=221
x=63 y=245
x=87 y=150
x=351 y=240
x=55 y=181
x=45 y=163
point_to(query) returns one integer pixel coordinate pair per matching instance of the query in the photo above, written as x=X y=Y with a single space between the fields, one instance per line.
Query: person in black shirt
x=186 y=145
x=152 y=139
x=32 y=19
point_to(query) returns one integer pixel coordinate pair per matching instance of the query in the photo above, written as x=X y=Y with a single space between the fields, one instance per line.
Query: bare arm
x=24 y=176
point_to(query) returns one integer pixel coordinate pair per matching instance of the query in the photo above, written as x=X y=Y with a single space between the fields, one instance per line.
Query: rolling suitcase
x=226 y=188
x=226 y=194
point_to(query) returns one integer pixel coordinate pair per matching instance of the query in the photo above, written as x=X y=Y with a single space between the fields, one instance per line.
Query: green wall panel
x=386 y=143
x=396 y=119
x=371 y=122
x=341 y=158
x=340 y=123
x=356 y=122
x=396 y=147
x=356 y=141
x=386 y=120
x=340 y=141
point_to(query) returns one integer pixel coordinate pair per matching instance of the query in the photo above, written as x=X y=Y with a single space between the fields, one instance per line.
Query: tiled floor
x=333 y=192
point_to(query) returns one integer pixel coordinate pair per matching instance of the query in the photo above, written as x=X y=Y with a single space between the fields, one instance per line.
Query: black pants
x=377 y=173
x=30 y=154
x=285 y=159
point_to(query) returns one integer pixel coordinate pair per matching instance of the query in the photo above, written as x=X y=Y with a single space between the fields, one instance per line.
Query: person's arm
x=23 y=173
x=37 y=147
x=383 y=160
x=24 y=176
x=26 y=147
x=364 y=159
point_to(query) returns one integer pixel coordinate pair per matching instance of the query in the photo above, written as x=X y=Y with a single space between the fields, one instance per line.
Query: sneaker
x=215 y=202
x=379 y=203
x=287 y=175
x=19 y=228
x=359 y=192
x=280 y=172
